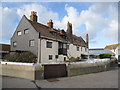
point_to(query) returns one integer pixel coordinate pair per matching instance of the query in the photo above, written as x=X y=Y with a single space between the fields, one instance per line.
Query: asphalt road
x=108 y=79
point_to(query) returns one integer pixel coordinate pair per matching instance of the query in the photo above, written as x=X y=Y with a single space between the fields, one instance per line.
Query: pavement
x=108 y=79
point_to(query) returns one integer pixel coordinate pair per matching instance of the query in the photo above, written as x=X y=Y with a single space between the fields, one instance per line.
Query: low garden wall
x=79 y=69
x=36 y=72
x=22 y=71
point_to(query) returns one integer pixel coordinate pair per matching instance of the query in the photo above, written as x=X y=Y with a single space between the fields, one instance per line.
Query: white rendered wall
x=72 y=52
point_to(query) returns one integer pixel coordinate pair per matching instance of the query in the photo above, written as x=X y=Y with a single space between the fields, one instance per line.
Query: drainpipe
x=39 y=49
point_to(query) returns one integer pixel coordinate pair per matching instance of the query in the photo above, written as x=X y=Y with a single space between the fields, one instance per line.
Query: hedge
x=26 y=56
x=107 y=55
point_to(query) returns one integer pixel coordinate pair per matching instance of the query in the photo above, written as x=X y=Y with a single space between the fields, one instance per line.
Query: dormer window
x=65 y=37
x=19 y=33
x=54 y=33
x=74 y=39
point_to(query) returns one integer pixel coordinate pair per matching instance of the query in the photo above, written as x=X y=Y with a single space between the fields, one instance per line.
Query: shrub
x=73 y=59
x=27 y=57
x=105 y=55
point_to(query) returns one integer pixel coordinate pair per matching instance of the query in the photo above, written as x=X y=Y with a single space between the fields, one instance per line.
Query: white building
x=48 y=43
x=115 y=48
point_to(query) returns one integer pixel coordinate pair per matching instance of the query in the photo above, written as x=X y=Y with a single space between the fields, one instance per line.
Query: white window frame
x=19 y=33
x=26 y=31
x=31 y=43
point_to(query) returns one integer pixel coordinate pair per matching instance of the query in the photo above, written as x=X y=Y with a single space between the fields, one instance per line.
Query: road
x=108 y=79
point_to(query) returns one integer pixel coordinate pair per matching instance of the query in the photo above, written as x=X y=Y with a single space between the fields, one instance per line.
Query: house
x=48 y=43
x=95 y=52
x=115 y=48
x=4 y=49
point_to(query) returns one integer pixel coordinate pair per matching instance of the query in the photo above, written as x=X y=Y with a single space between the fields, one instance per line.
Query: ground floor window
x=64 y=58
x=14 y=44
x=50 y=57
x=77 y=48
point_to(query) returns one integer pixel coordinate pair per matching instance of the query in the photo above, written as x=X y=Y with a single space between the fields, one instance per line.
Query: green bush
x=75 y=59
x=27 y=57
x=107 y=55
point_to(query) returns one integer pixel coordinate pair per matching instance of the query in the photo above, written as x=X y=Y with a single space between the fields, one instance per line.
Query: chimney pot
x=33 y=16
x=69 y=29
x=50 y=23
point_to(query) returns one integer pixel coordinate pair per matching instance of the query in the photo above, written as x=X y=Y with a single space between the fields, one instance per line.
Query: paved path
x=107 y=79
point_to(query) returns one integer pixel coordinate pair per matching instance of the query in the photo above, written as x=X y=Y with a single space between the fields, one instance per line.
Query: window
x=65 y=37
x=64 y=45
x=26 y=31
x=81 y=48
x=74 y=39
x=14 y=44
x=31 y=43
x=54 y=33
x=49 y=44
x=19 y=33
x=50 y=57
x=77 y=48
x=85 y=49
x=67 y=46
x=64 y=58
x=56 y=56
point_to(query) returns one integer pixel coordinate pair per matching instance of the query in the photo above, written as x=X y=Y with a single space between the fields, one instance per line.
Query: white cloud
x=8 y=18
x=100 y=17
x=44 y=14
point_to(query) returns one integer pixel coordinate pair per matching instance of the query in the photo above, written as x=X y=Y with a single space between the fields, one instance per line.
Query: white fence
x=92 y=61
x=35 y=64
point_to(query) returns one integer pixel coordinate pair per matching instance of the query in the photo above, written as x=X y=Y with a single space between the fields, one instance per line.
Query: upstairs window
x=49 y=44
x=26 y=31
x=19 y=33
x=74 y=39
x=85 y=49
x=14 y=44
x=77 y=48
x=54 y=33
x=67 y=47
x=31 y=43
x=81 y=48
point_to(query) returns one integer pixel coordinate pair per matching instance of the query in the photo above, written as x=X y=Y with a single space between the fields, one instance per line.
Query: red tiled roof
x=45 y=31
x=4 y=47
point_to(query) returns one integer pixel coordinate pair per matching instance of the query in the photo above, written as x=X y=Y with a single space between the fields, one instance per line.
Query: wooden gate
x=55 y=71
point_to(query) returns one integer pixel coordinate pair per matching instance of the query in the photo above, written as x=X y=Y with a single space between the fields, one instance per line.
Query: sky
x=97 y=19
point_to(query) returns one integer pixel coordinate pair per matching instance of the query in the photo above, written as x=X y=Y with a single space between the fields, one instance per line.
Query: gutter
x=39 y=49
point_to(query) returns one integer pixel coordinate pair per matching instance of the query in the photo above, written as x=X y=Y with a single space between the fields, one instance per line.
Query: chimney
x=33 y=16
x=69 y=29
x=50 y=23
x=87 y=42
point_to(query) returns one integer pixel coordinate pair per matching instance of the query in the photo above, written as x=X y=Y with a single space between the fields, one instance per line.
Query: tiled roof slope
x=114 y=46
x=45 y=31
x=4 y=47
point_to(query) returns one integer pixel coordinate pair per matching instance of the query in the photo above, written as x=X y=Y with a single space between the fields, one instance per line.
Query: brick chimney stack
x=50 y=23
x=87 y=40
x=33 y=16
x=69 y=29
